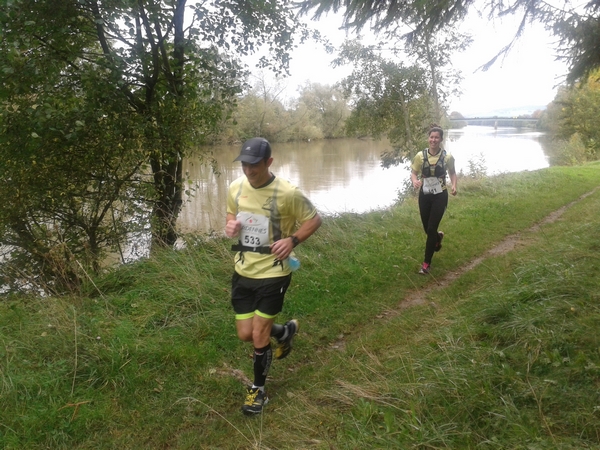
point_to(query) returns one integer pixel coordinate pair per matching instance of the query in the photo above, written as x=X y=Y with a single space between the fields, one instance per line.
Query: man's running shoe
x=438 y=245
x=424 y=270
x=284 y=347
x=255 y=400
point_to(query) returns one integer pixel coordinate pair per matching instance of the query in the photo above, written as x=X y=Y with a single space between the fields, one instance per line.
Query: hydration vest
x=439 y=168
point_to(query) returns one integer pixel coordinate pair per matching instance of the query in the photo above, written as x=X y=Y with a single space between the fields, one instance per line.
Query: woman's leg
x=425 y=202
x=438 y=204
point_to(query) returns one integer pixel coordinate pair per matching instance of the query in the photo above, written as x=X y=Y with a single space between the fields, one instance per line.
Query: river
x=345 y=175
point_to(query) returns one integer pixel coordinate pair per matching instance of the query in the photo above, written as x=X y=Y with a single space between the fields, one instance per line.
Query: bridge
x=517 y=122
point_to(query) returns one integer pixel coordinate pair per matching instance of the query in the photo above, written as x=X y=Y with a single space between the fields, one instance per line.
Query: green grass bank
x=504 y=355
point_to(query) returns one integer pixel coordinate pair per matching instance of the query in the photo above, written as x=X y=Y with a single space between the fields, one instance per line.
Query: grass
x=505 y=356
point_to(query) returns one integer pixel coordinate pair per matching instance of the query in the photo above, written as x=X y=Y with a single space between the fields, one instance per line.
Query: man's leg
x=256 y=397
x=285 y=338
x=258 y=331
x=244 y=329
x=257 y=327
x=263 y=354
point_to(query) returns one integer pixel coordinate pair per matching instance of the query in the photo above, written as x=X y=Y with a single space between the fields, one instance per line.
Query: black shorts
x=264 y=297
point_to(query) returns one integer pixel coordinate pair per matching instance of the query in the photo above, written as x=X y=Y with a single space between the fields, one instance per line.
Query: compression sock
x=278 y=331
x=262 y=363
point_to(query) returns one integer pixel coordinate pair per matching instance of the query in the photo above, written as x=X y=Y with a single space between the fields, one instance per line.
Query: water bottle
x=294 y=263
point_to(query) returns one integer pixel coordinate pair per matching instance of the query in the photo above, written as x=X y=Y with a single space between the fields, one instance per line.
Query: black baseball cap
x=254 y=150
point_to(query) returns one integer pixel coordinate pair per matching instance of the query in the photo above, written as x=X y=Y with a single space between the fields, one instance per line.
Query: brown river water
x=345 y=175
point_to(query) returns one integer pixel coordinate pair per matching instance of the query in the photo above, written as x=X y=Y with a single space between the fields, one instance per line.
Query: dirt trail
x=505 y=246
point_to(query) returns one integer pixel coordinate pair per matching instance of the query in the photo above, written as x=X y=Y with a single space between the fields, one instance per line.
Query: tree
x=319 y=112
x=261 y=112
x=63 y=190
x=411 y=38
x=122 y=89
x=390 y=15
x=70 y=154
x=434 y=53
x=180 y=77
x=577 y=28
x=389 y=99
x=573 y=112
x=325 y=108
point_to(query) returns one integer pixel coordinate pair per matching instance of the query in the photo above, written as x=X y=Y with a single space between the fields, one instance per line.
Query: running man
x=262 y=211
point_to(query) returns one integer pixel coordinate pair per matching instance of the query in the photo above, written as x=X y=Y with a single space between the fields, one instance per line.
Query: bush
x=567 y=153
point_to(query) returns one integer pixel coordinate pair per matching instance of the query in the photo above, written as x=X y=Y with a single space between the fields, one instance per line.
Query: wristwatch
x=295 y=240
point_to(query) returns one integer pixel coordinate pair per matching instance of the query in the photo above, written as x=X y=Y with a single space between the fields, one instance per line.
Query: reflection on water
x=501 y=150
x=345 y=175
x=340 y=175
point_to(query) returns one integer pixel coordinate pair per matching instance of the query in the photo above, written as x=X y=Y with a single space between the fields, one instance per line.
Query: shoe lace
x=251 y=397
x=282 y=347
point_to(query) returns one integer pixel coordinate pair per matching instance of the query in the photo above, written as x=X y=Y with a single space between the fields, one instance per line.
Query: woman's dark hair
x=437 y=129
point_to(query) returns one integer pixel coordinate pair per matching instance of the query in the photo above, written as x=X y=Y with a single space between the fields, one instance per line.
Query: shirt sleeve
x=234 y=187
x=302 y=207
x=450 y=163
x=417 y=163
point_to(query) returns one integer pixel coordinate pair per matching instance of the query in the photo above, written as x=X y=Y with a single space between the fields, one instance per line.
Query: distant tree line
x=571 y=120
x=318 y=112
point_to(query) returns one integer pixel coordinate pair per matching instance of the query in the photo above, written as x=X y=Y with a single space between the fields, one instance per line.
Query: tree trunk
x=168 y=172
x=434 y=87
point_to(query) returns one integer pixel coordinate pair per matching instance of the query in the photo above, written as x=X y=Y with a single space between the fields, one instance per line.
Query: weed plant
x=504 y=356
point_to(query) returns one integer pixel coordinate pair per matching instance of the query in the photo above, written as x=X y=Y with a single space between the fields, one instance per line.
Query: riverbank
x=503 y=355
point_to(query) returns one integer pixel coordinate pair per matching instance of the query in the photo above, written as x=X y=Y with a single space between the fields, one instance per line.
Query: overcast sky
x=526 y=78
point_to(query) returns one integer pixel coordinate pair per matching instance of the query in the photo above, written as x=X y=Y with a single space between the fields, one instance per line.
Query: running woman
x=428 y=175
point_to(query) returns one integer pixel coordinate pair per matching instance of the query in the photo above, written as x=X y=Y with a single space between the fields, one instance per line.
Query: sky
x=522 y=82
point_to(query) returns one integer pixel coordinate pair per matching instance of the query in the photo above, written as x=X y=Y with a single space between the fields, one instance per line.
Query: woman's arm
x=415 y=180
x=453 y=179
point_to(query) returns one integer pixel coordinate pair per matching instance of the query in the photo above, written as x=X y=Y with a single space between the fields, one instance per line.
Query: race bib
x=255 y=229
x=432 y=185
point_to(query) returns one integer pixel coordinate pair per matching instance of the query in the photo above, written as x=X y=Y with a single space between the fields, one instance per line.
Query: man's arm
x=308 y=228
x=283 y=247
x=232 y=225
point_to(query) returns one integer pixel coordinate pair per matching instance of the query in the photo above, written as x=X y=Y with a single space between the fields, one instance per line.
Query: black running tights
x=432 y=208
